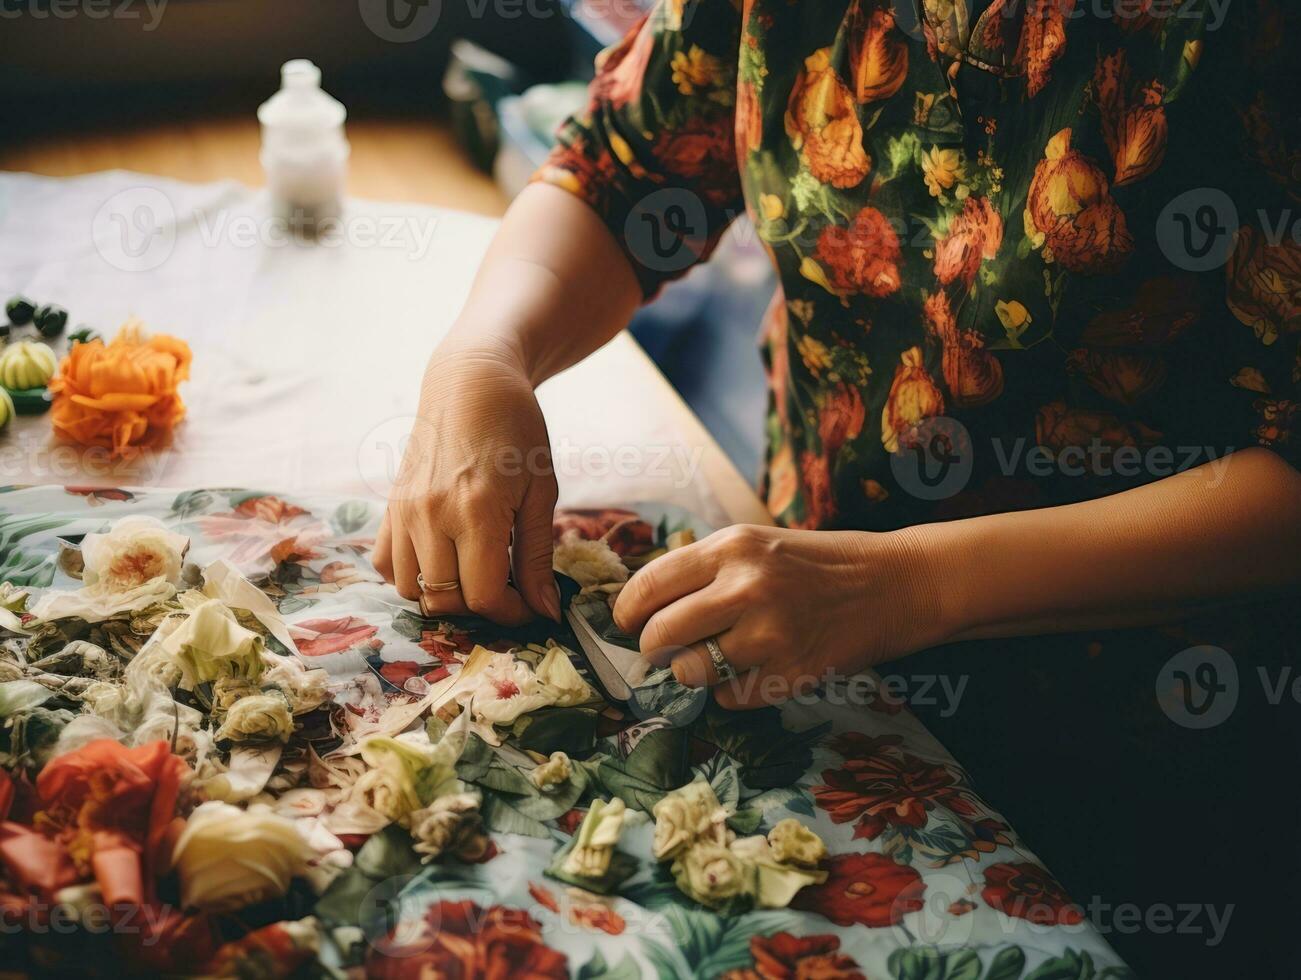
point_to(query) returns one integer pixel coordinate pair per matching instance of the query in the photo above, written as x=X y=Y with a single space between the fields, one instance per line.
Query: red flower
x=973 y=235
x=1026 y=891
x=841 y=419
x=446 y=643
x=398 y=672
x=6 y=794
x=702 y=151
x=880 y=786
x=570 y=820
x=863 y=257
x=864 y=889
x=318 y=637
x=620 y=70
x=819 y=499
x=544 y=896
x=110 y=809
x=782 y=956
x=461 y=940
x=974 y=375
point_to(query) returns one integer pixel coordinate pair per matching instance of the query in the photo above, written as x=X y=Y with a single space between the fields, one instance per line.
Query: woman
x=1034 y=358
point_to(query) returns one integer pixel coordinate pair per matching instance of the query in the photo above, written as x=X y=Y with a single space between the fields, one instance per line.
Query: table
x=298 y=395
x=308 y=355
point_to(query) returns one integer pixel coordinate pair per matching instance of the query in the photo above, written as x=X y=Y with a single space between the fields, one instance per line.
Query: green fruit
x=20 y=310
x=26 y=364
x=50 y=320
x=29 y=401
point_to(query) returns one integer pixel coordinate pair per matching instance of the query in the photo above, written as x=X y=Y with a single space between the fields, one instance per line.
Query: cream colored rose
x=452 y=825
x=793 y=843
x=211 y=644
x=258 y=718
x=688 y=815
x=405 y=774
x=228 y=691
x=712 y=875
x=561 y=679
x=305 y=688
x=596 y=839
x=589 y=563
x=552 y=773
x=134 y=551
x=228 y=858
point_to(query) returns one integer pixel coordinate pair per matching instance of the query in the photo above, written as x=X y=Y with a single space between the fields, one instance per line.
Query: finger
x=689 y=620
x=484 y=563
x=405 y=565
x=437 y=557
x=694 y=667
x=531 y=549
x=382 y=556
x=666 y=579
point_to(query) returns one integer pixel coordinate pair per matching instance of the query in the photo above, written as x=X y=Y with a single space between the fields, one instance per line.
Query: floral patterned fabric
x=925 y=878
x=1067 y=228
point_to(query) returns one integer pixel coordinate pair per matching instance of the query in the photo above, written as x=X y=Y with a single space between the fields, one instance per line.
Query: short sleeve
x=653 y=153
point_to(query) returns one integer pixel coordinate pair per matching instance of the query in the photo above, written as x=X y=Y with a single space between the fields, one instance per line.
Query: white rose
x=306 y=688
x=228 y=858
x=211 y=644
x=134 y=551
x=505 y=689
x=712 y=875
x=258 y=718
x=686 y=816
x=794 y=843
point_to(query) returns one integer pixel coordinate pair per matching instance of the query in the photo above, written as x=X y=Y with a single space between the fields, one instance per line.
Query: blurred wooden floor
x=395 y=160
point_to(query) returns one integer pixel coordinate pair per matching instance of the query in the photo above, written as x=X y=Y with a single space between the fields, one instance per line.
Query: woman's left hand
x=788 y=609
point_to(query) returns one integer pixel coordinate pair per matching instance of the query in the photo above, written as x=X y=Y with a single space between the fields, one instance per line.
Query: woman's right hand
x=475 y=493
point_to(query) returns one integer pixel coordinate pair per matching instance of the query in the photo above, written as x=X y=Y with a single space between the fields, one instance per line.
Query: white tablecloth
x=308 y=355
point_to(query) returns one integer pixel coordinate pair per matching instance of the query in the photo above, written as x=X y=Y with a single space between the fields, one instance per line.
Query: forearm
x=553 y=287
x=1220 y=533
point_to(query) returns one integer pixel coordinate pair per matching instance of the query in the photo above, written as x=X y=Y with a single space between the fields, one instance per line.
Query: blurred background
x=450 y=103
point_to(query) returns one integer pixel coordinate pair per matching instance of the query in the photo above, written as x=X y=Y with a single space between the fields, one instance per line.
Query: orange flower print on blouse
x=913 y=397
x=1070 y=210
x=822 y=122
x=878 y=54
x=1025 y=220
x=1133 y=120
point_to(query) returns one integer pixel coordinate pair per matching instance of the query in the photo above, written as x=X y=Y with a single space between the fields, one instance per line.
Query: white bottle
x=304 y=150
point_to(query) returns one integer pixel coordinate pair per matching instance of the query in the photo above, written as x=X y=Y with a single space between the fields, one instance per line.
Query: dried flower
x=258 y=718
x=552 y=773
x=793 y=843
x=228 y=858
x=452 y=824
x=588 y=562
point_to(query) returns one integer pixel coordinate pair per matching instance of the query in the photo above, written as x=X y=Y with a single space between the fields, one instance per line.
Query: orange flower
x=974 y=375
x=1162 y=309
x=841 y=417
x=973 y=235
x=878 y=55
x=913 y=397
x=1070 y=210
x=1133 y=122
x=822 y=122
x=783 y=481
x=121 y=396
x=1264 y=284
x=113 y=807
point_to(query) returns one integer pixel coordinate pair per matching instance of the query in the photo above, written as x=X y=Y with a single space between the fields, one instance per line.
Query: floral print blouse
x=1030 y=251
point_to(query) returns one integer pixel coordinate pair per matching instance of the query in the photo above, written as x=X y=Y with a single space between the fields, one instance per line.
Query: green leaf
x=351 y=516
x=1007 y=964
x=503 y=817
x=768 y=754
x=917 y=963
x=596 y=969
x=1072 y=965
x=962 y=965
x=568 y=730
x=191 y=503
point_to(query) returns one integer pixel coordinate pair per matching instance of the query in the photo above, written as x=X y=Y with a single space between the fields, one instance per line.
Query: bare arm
x=553 y=287
x=790 y=607
x=474 y=498
x=1219 y=533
